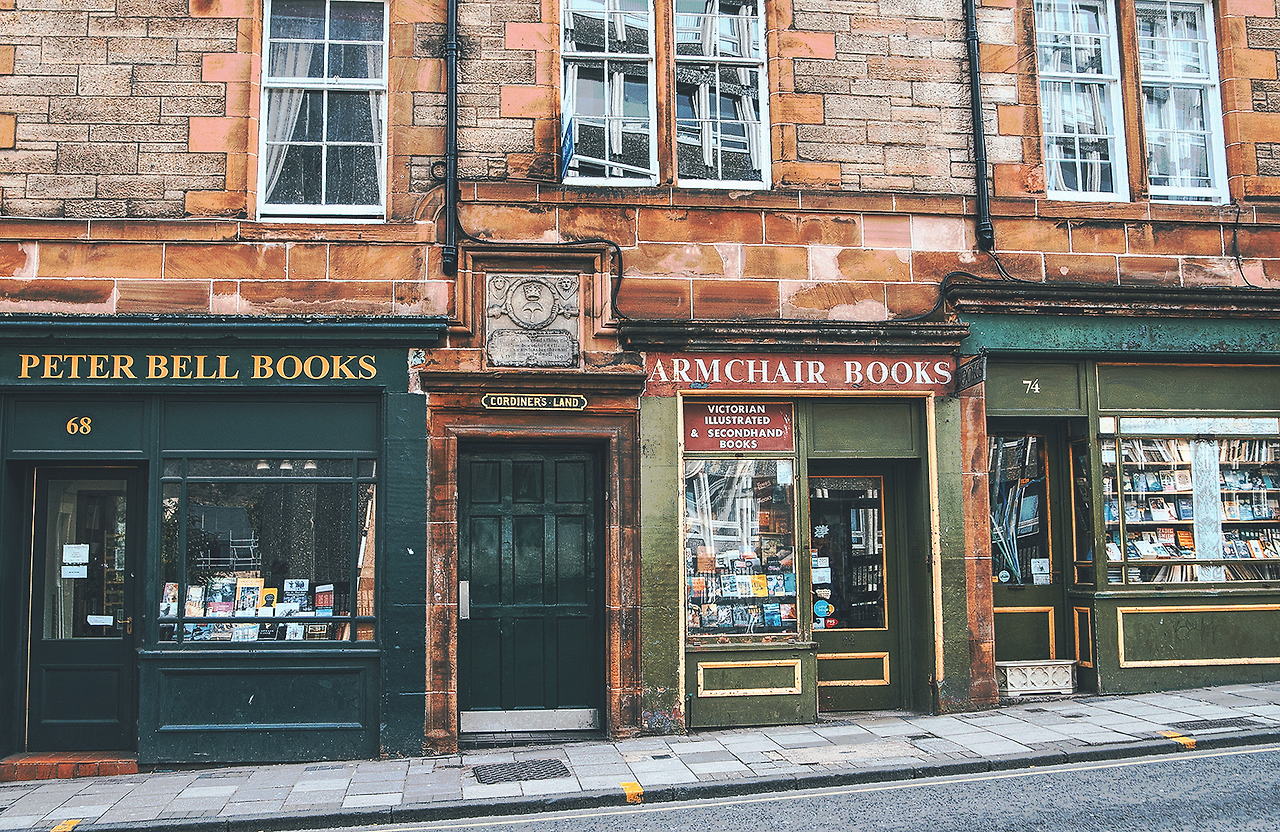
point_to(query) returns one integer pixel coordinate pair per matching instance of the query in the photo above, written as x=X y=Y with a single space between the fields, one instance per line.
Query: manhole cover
x=523 y=770
x=1213 y=724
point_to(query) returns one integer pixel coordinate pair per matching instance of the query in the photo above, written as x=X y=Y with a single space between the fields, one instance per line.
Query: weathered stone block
x=98 y=158
x=141 y=51
x=104 y=110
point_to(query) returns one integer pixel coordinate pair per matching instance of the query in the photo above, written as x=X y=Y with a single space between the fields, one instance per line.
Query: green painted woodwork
x=891 y=639
x=1023 y=635
x=1188 y=388
x=1194 y=646
x=875 y=429
x=731 y=676
x=402 y=574
x=59 y=426
x=1118 y=336
x=82 y=692
x=266 y=705
x=662 y=702
x=527 y=543
x=1033 y=387
x=269 y=426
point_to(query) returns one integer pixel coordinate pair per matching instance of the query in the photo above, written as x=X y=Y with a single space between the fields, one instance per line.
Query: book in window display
x=220 y=596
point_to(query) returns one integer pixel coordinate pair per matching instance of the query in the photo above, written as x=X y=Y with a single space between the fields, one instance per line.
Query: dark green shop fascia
x=151 y=388
x=1087 y=359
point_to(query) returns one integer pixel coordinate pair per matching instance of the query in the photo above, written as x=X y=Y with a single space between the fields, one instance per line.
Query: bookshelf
x=1183 y=510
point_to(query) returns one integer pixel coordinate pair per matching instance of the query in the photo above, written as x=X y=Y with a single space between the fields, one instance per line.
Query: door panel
x=527 y=520
x=83 y=607
x=856 y=588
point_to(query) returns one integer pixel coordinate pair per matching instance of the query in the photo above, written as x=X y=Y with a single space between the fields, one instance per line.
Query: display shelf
x=1190 y=510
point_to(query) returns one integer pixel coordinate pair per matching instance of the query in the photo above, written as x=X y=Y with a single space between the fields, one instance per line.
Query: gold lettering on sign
x=179 y=367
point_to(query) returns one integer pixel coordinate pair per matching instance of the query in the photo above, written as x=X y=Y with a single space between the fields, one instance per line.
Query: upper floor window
x=713 y=74
x=1083 y=89
x=324 y=94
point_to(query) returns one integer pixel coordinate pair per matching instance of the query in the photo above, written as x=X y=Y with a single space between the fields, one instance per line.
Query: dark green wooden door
x=856 y=572
x=84 y=578
x=529 y=639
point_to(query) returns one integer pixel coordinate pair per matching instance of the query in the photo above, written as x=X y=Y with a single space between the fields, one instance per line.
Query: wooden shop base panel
x=54 y=765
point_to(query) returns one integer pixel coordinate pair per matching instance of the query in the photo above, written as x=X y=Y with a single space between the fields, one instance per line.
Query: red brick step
x=61 y=765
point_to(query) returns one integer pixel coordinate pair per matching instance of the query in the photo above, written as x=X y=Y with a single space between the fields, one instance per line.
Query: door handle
x=464 y=600
x=128 y=625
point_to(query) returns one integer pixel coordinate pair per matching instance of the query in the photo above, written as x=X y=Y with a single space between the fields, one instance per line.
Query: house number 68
x=80 y=424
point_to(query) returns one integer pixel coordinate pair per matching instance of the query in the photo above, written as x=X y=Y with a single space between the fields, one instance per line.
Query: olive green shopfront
x=198 y=520
x=1135 y=492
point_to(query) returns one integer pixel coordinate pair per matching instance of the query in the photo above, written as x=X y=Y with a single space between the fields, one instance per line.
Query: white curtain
x=283 y=106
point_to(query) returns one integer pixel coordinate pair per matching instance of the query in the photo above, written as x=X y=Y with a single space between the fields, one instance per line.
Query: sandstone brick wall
x=104 y=96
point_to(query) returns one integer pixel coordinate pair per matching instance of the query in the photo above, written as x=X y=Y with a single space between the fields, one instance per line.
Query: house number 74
x=80 y=424
x=1033 y=384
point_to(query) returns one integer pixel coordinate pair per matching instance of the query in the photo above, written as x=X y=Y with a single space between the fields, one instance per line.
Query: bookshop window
x=267 y=550
x=740 y=564
x=1019 y=510
x=1183 y=510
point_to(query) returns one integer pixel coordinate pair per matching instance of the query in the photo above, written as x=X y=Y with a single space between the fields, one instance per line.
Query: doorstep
x=62 y=765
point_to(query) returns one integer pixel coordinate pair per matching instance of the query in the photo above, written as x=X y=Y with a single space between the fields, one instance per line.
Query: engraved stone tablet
x=533 y=320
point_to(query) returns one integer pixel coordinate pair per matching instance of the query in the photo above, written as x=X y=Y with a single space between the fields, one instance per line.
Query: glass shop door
x=82 y=669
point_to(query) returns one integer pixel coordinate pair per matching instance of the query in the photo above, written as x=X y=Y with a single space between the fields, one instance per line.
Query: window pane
x=356 y=21
x=296 y=60
x=1079 y=139
x=297 y=182
x=267 y=550
x=355 y=60
x=739 y=547
x=352 y=176
x=351 y=116
x=297 y=19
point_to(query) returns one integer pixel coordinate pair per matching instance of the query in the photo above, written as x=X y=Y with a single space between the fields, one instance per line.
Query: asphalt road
x=1206 y=791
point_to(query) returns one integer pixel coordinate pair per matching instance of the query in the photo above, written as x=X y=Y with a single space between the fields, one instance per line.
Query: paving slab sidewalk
x=850 y=748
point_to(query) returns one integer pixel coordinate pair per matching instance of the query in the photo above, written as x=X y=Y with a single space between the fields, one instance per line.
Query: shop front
x=199 y=519
x=798 y=543
x=1135 y=474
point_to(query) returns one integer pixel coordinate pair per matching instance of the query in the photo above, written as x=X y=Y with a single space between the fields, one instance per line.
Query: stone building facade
x=690 y=185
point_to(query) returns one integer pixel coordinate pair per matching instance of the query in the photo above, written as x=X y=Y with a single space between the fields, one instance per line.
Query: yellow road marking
x=1185 y=742
x=65 y=826
x=635 y=794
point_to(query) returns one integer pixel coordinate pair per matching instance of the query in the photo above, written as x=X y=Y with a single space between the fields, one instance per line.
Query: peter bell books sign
x=670 y=374
x=178 y=366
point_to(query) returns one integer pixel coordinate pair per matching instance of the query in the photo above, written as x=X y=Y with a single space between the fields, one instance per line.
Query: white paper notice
x=101 y=620
x=75 y=553
x=75 y=571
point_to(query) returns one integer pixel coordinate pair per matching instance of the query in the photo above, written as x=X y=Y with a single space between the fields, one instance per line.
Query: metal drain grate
x=1214 y=724
x=523 y=770
x=334 y=767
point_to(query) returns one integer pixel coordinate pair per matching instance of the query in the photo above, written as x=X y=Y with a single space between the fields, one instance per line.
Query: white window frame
x=1109 y=79
x=757 y=138
x=378 y=86
x=1119 y=87
x=571 y=60
x=1208 y=85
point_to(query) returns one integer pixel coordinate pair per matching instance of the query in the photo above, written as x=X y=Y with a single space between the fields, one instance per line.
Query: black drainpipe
x=985 y=232
x=449 y=253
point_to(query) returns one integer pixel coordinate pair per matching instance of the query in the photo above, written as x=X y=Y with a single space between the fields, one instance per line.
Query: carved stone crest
x=533 y=320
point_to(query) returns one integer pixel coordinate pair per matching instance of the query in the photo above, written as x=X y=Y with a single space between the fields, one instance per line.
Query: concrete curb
x=606 y=798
